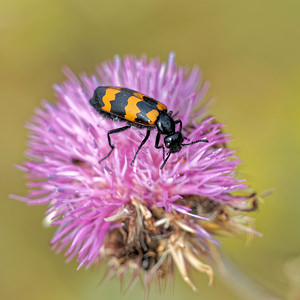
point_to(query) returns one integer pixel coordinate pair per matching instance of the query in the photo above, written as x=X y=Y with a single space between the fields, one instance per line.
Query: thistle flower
x=138 y=218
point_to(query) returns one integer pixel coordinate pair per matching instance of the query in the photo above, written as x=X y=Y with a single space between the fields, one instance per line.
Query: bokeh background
x=248 y=50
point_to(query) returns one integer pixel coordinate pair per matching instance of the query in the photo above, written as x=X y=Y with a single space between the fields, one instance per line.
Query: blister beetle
x=139 y=110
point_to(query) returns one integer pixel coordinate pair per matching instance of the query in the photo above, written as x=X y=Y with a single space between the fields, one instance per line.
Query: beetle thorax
x=165 y=124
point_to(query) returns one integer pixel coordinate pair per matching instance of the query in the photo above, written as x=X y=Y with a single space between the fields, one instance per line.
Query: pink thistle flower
x=138 y=217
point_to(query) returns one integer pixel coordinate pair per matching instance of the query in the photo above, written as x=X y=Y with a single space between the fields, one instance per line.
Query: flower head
x=136 y=217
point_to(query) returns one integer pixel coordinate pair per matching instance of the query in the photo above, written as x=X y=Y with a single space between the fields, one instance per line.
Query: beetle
x=139 y=110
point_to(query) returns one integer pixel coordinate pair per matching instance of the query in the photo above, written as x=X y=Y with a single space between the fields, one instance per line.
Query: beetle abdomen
x=127 y=104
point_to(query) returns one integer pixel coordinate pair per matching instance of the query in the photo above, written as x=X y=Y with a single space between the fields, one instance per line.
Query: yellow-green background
x=249 y=50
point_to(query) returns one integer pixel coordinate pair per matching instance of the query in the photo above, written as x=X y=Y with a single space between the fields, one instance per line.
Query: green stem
x=243 y=286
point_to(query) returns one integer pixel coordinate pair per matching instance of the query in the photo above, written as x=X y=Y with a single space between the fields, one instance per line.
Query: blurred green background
x=249 y=50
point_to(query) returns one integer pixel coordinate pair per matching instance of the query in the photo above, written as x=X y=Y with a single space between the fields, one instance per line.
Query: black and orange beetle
x=139 y=110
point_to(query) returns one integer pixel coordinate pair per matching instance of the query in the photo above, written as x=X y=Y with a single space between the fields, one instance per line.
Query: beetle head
x=174 y=142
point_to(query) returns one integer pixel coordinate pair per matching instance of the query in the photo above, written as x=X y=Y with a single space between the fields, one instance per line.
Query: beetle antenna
x=168 y=155
x=204 y=140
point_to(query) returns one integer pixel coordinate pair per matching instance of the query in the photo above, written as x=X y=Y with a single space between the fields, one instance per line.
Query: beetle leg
x=141 y=145
x=165 y=160
x=179 y=121
x=109 y=140
x=157 y=146
x=164 y=154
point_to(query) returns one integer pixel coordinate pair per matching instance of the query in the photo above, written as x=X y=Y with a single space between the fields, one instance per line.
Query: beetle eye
x=168 y=144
